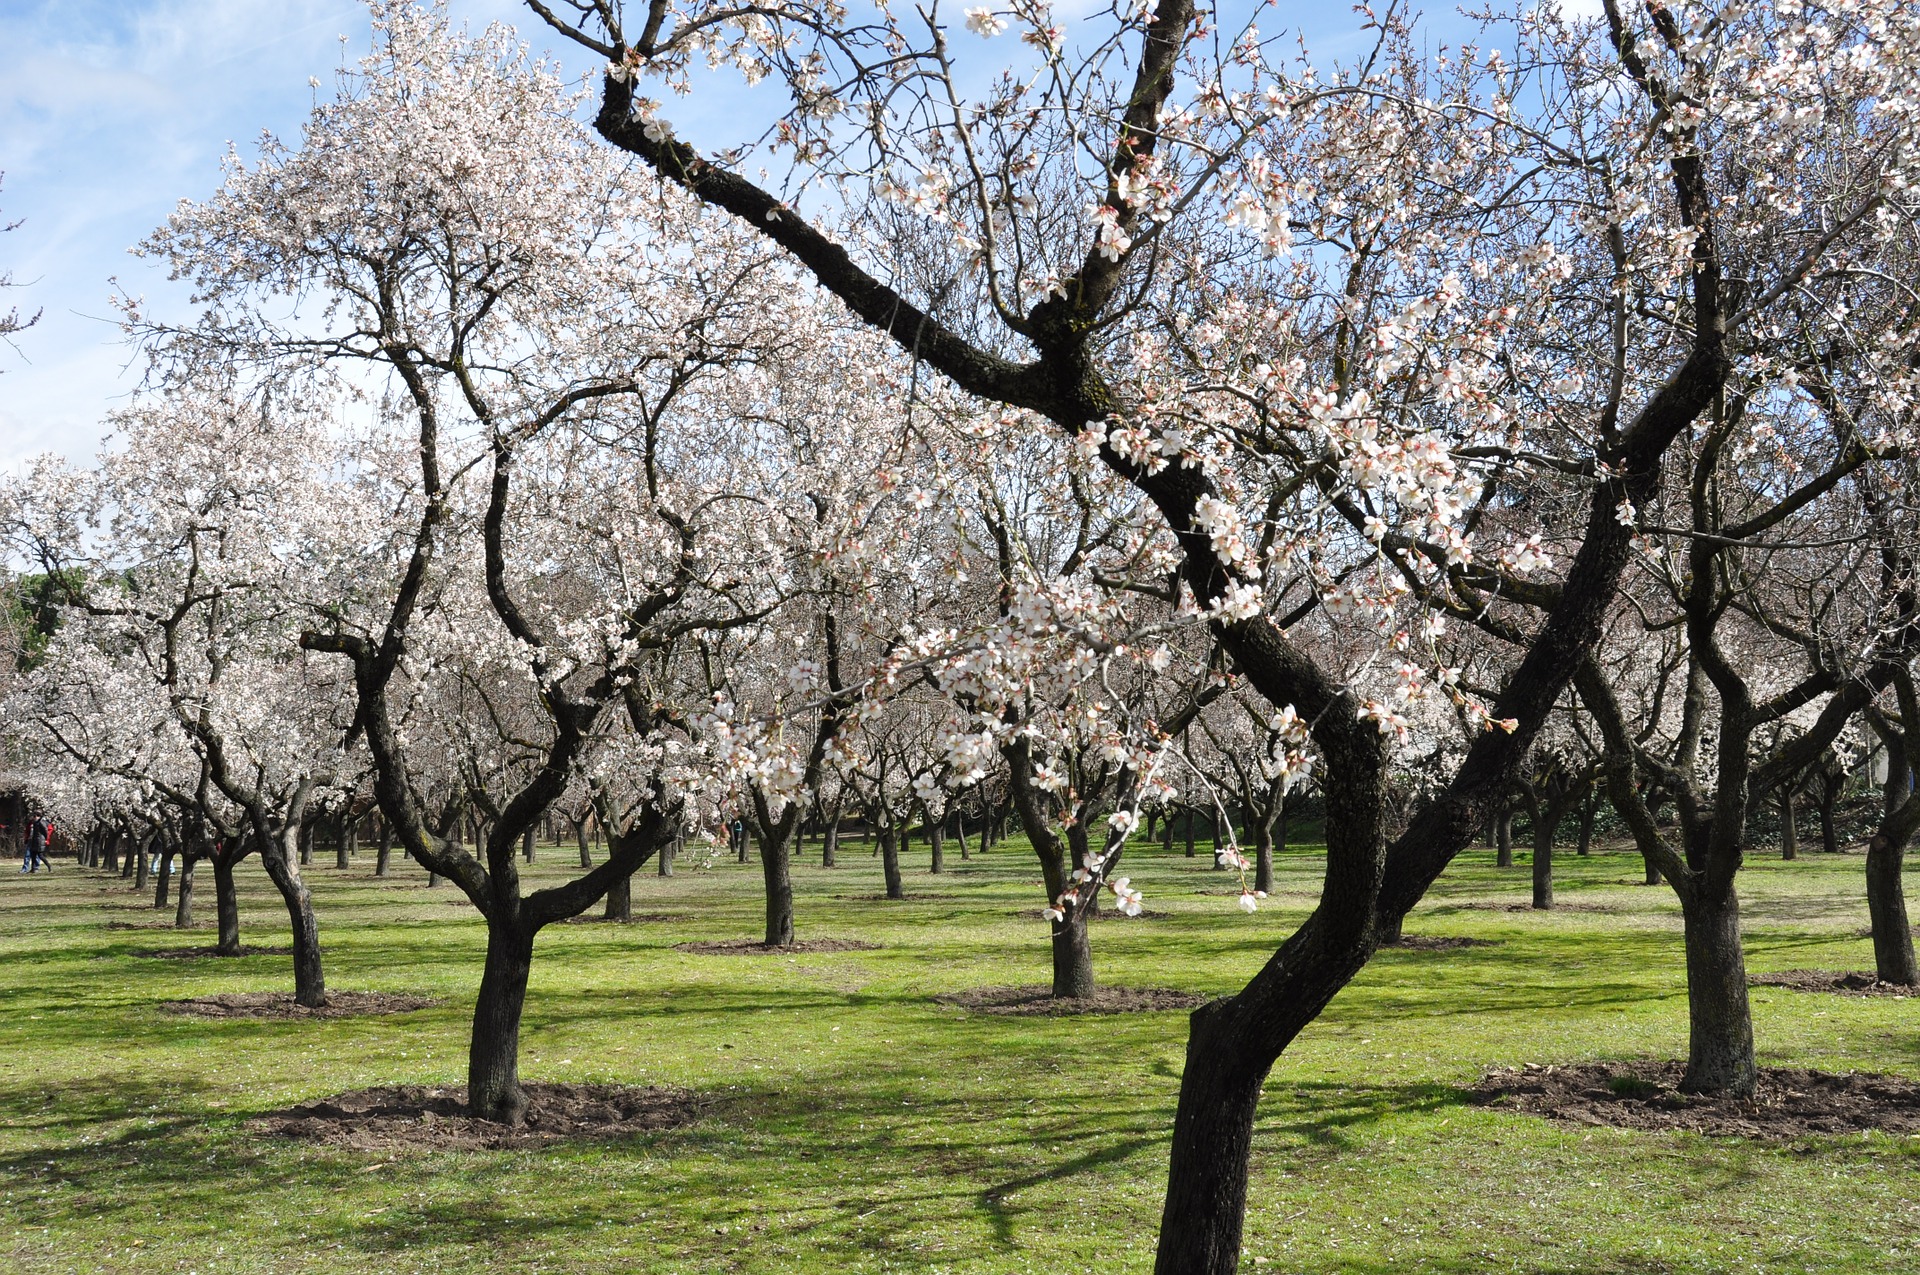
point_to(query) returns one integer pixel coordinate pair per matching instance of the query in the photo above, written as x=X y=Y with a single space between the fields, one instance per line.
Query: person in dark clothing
x=37 y=834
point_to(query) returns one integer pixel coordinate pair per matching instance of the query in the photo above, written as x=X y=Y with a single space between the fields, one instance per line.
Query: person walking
x=37 y=834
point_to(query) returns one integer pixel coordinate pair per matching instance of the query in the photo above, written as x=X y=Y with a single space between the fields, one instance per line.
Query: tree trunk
x=668 y=853
x=183 y=909
x=890 y=861
x=1720 y=1021
x=830 y=844
x=1653 y=876
x=1263 y=853
x=1189 y=829
x=586 y=851
x=1893 y=958
x=163 y=878
x=1503 y=838
x=344 y=850
x=526 y=845
x=383 y=860
x=1789 y=828
x=226 y=905
x=776 y=855
x=306 y=843
x=1072 y=957
x=138 y=862
x=493 y=1055
x=1544 y=826
x=936 y=842
x=1587 y=812
x=960 y=835
x=1212 y=1140
x=1829 y=833
x=619 y=900
x=110 y=853
x=309 y=980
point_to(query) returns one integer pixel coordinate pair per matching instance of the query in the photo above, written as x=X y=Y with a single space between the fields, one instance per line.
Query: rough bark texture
x=619 y=900
x=1789 y=830
x=1072 y=956
x=1503 y=838
x=1720 y=1022
x=493 y=1054
x=1893 y=957
x=890 y=862
x=163 y=878
x=183 y=908
x=1543 y=831
x=226 y=906
x=777 y=875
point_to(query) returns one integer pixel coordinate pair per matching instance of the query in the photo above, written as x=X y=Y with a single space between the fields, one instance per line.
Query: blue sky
x=111 y=111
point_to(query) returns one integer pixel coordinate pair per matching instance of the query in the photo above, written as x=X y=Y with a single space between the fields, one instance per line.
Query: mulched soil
x=1839 y=982
x=638 y=918
x=1437 y=943
x=1039 y=1001
x=748 y=947
x=1789 y=1103
x=410 y=1117
x=281 y=1005
x=191 y=953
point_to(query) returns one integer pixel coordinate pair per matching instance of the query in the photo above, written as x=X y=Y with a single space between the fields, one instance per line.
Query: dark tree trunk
x=776 y=854
x=1893 y=958
x=1789 y=827
x=1263 y=854
x=1207 y=1178
x=1545 y=824
x=110 y=854
x=668 y=853
x=343 y=852
x=138 y=862
x=493 y=1055
x=306 y=843
x=830 y=843
x=1720 y=1021
x=1587 y=813
x=226 y=905
x=586 y=851
x=1829 y=832
x=163 y=878
x=1653 y=876
x=936 y=842
x=890 y=862
x=309 y=980
x=619 y=900
x=960 y=835
x=1503 y=838
x=383 y=860
x=1189 y=830
x=1072 y=957
x=526 y=845
x=183 y=908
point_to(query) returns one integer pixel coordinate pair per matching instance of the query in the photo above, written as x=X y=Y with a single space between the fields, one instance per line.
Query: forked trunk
x=226 y=906
x=493 y=1055
x=1072 y=957
x=1720 y=1021
x=1893 y=959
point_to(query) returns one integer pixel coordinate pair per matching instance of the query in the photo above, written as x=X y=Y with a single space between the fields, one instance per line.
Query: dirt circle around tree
x=1788 y=1103
x=1039 y=1002
x=753 y=947
x=638 y=918
x=1435 y=943
x=282 y=1005
x=195 y=953
x=434 y=1117
x=1835 y=982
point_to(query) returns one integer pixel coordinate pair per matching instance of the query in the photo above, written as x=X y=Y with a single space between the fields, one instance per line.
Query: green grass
x=861 y=1127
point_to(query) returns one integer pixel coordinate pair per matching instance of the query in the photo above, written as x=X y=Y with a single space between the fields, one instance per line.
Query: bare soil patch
x=282 y=1005
x=1839 y=982
x=749 y=947
x=1437 y=943
x=193 y=953
x=1039 y=1001
x=141 y=925
x=887 y=898
x=1528 y=907
x=410 y=1117
x=638 y=918
x=1790 y=1102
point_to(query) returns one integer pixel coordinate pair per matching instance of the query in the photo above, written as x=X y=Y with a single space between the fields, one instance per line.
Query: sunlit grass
x=862 y=1126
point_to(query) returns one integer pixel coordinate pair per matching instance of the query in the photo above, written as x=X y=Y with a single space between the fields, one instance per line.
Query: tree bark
x=890 y=861
x=1544 y=826
x=619 y=900
x=1789 y=829
x=526 y=845
x=936 y=842
x=586 y=851
x=183 y=909
x=383 y=860
x=1720 y=1021
x=667 y=854
x=493 y=1054
x=163 y=878
x=830 y=844
x=1587 y=812
x=343 y=851
x=1503 y=838
x=306 y=843
x=1893 y=957
x=776 y=854
x=226 y=906
x=142 y=855
x=1072 y=956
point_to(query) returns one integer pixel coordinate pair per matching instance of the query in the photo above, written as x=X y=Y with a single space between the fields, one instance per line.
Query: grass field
x=859 y=1126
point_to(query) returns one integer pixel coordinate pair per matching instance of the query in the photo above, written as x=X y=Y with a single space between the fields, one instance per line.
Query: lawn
x=857 y=1125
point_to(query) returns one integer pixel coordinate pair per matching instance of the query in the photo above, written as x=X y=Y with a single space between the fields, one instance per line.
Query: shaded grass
x=862 y=1127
